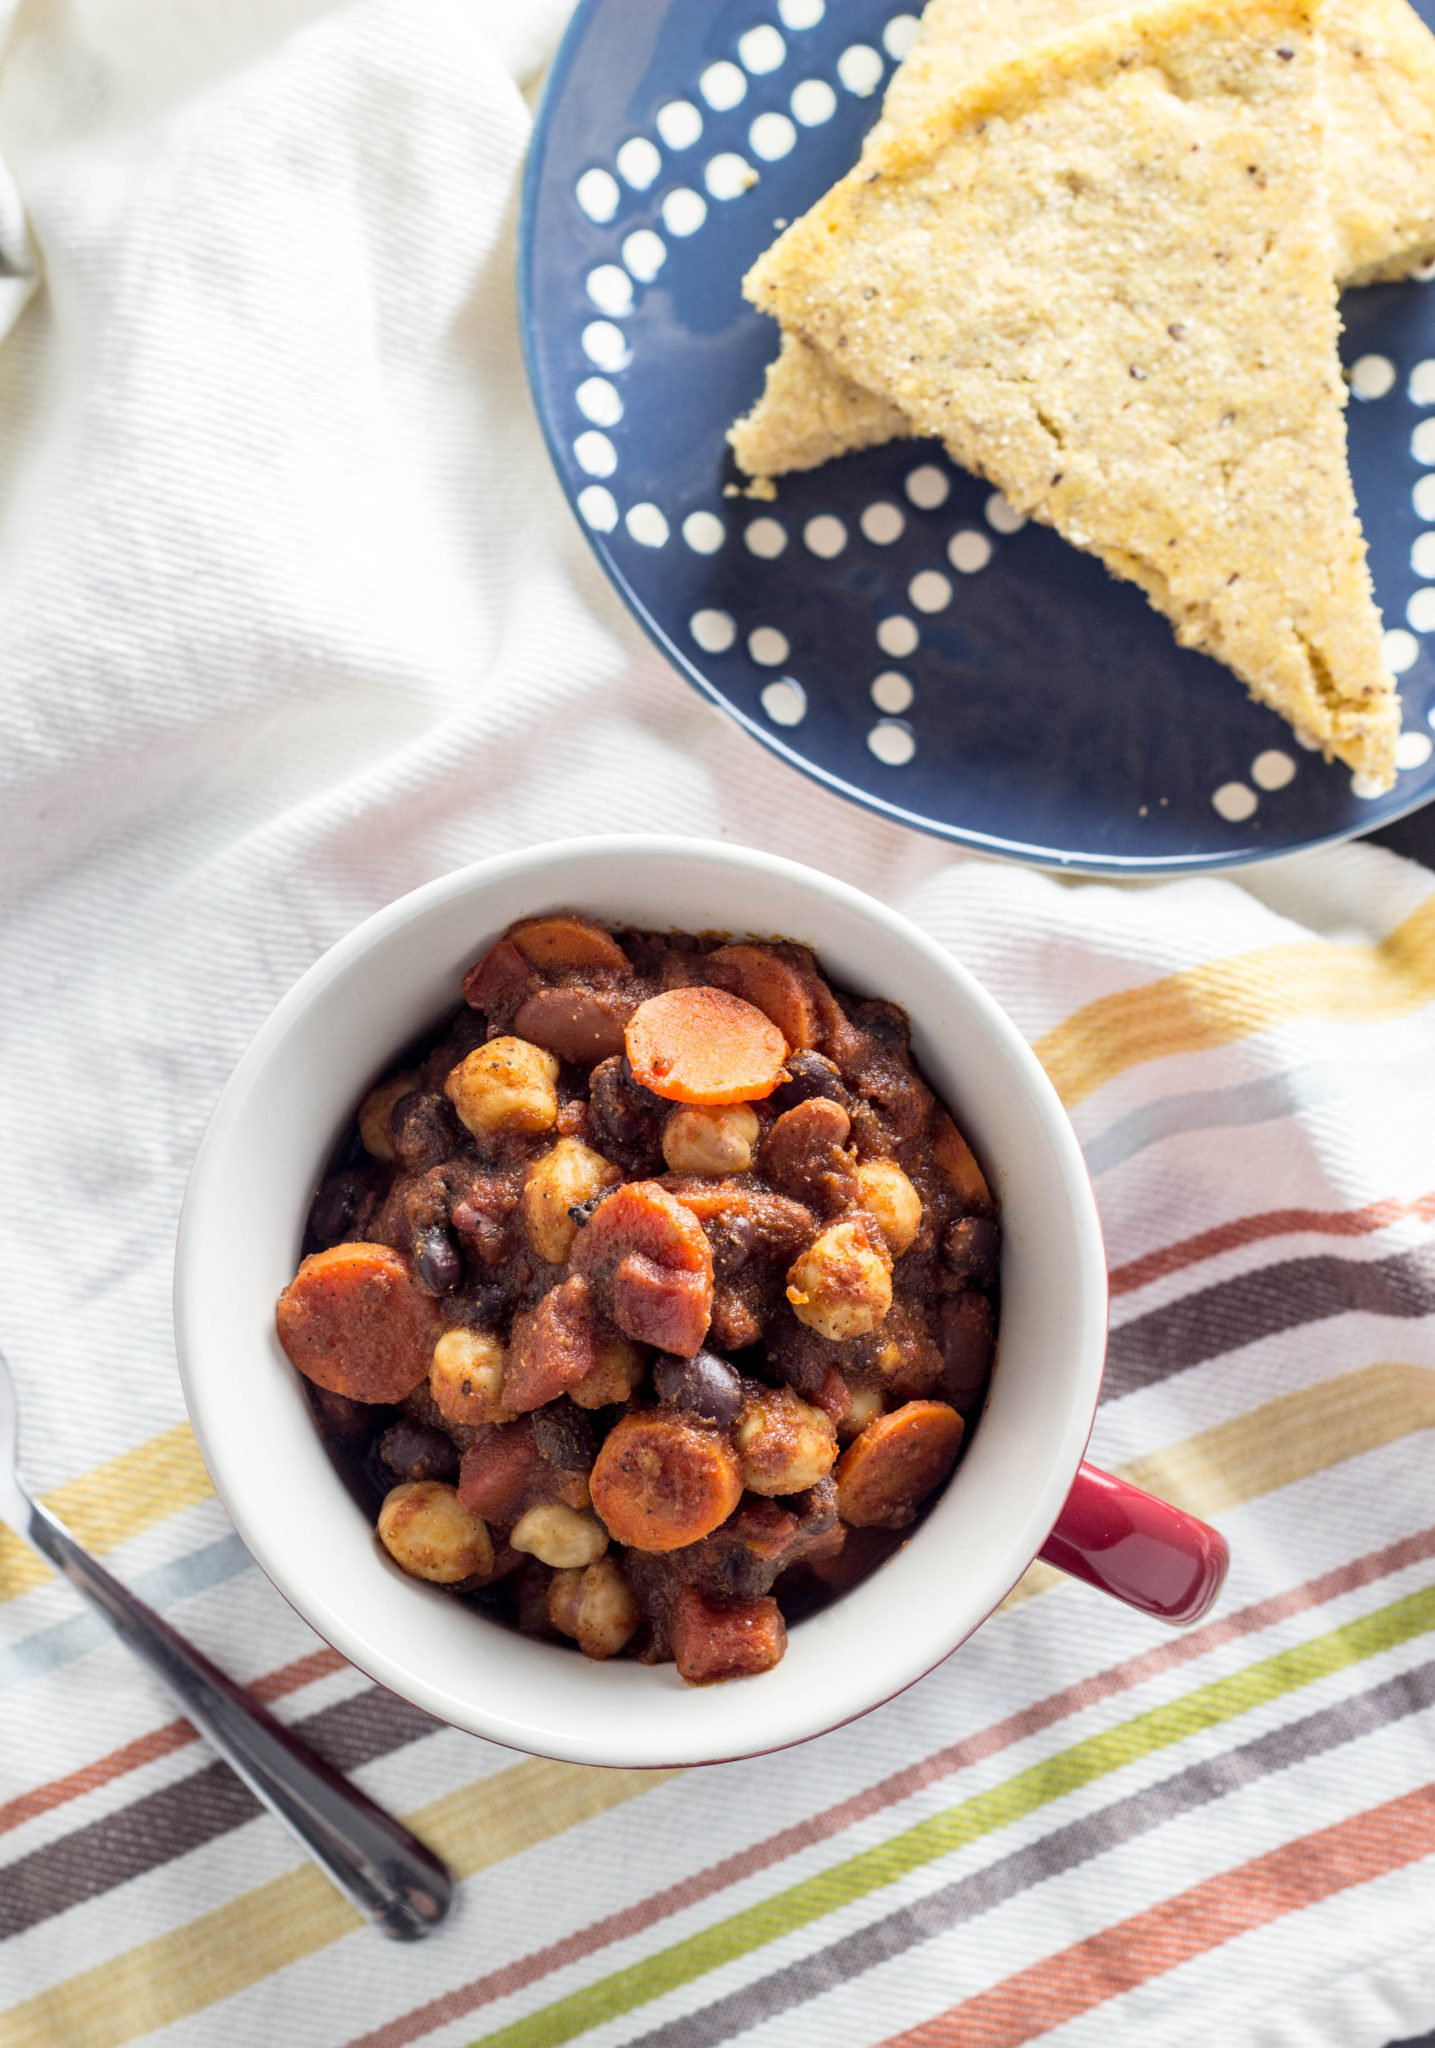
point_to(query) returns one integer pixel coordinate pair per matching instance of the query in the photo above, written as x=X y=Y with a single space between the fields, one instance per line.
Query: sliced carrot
x=661 y=1482
x=959 y=1163
x=774 y=985
x=354 y=1321
x=704 y=1045
x=552 y=943
x=888 y=1471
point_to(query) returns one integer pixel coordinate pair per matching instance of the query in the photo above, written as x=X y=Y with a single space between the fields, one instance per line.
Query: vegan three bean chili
x=652 y=1301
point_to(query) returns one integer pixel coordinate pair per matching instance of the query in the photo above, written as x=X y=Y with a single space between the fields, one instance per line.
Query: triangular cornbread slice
x=1379 y=169
x=1103 y=277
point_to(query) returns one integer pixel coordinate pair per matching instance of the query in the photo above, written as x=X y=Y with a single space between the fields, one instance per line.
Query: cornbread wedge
x=1103 y=276
x=1379 y=172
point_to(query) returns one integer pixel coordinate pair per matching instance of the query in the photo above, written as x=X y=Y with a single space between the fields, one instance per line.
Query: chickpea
x=784 y=1445
x=375 y=1111
x=570 y=1173
x=888 y=1195
x=426 y=1532
x=505 y=1088
x=867 y=1405
x=701 y=1140
x=841 y=1286
x=595 y=1607
x=560 y=1536
x=620 y=1369
x=466 y=1377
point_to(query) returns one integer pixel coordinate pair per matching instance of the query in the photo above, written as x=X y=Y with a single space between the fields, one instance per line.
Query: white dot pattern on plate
x=1422 y=444
x=598 y=508
x=723 y=86
x=1372 y=376
x=1401 y=650
x=1422 y=383
x=1303 y=739
x=892 y=742
x=771 y=136
x=598 y=195
x=1273 y=769
x=860 y=69
x=611 y=290
x=1422 y=556
x=761 y=50
x=1002 y=517
x=599 y=402
x=897 y=636
x=606 y=345
x=728 y=175
x=704 y=532
x=813 y=102
x=679 y=123
x=892 y=692
x=714 y=631
x=766 y=538
x=928 y=487
x=801 y=14
x=598 y=457
x=644 y=253
x=638 y=163
x=1413 y=749
x=1366 y=787
x=785 y=701
x=768 y=647
x=1421 y=610
x=684 y=211
x=1423 y=272
x=825 y=535
x=1423 y=497
x=929 y=590
x=969 y=551
x=647 y=525
x=883 y=522
x=900 y=34
x=1235 y=802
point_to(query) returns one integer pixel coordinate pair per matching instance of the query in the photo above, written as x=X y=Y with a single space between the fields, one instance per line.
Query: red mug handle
x=1140 y=1549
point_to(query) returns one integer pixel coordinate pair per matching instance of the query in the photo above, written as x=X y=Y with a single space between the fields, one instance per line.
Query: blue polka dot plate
x=886 y=624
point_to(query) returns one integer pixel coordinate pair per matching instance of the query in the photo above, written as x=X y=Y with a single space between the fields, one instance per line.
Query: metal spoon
x=376 y=1863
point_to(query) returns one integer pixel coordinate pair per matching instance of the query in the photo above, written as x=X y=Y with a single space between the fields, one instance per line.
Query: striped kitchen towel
x=292 y=618
x=1081 y=1824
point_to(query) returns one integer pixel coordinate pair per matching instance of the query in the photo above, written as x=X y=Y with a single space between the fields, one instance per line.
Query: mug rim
x=258 y=1511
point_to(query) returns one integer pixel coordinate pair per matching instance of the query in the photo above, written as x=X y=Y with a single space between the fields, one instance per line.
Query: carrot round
x=354 y=1321
x=771 y=983
x=661 y=1482
x=561 y=941
x=888 y=1471
x=704 y=1045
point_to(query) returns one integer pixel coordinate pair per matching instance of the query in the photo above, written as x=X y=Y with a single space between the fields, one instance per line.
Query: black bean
x=438 y=1261
x=335 y=1207
x=968 y=1342
x=704 y=1385
x=565 y=1436
x=732 y=1236
x=971 y=1249
x=425 y=1130
x=582 y=1212
x=809 y=1074
x=412 y=1451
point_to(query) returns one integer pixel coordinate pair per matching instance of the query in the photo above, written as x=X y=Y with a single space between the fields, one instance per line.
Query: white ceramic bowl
x=243 y=1221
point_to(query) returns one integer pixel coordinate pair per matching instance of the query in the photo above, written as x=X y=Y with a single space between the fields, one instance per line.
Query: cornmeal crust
x=1103 y=275
x=1379 y=171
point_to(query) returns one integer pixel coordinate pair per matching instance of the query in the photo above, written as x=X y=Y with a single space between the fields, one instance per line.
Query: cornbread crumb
x=1103 y=276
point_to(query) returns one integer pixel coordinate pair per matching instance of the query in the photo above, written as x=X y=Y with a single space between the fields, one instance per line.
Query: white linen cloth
x=292 y=618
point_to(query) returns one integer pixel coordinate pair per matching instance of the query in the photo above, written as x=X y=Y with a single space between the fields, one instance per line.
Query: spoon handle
x=384 y=1870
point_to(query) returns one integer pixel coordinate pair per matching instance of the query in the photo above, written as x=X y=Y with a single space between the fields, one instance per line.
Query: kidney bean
x=495 y=1472
x=437 y=1262
x=970 y=1251
x=968 y=1343
x=809 y=1075
x=412 y=1452
x=703 y=1385
x=578 y=1024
